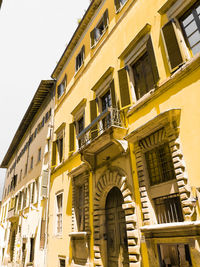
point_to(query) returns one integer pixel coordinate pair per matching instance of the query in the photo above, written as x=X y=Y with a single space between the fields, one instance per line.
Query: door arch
x=117 y=245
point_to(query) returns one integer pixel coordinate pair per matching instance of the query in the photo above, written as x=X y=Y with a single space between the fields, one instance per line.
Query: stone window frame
x=80 y=176
x=169 y=121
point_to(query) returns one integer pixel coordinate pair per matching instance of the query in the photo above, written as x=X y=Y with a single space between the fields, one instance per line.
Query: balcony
x=106 y=130
x=12 y=214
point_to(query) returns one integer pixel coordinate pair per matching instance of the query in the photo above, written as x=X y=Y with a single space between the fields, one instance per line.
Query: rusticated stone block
x=97 y=255
x=187 y=210
x=134 y=250
x=132 y=242
x=128 y=205
x=128 y=199
x=133 y=258
x=132 y=233
x=134 y=264
x=129 y=211
x=126 y=192
x=183 y=196
x=130 y=226
x=131 y=218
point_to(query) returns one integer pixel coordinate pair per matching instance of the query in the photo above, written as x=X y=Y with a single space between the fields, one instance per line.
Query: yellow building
x=124 y=187
x=23 y=241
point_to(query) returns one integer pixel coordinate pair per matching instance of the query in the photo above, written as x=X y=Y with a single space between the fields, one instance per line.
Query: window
x=174 y=255
x=60 y=148
x=190 y=23
x=159 y=164
x=80 y=206
x=39 y=154
x=20 y=201
x=119 y=4
x=61 y=262
x=140 y=74
x=80 y=126
x=31 y=165
x=106 y=103
x=99 y=30
x=59 y=207
x=24 y=197
x=33 y=193
x=61 y=87
x=168 y=209
x=80 y=58
x=32 y=249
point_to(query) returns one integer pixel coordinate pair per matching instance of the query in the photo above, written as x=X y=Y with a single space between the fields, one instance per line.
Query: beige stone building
x=25 y=195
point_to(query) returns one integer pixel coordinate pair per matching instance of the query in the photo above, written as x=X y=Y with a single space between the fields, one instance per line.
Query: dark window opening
x=32 y=243
x=143 y=76
x=159 y=164
x=106 y=103
x=62 y=262
x=168 y=209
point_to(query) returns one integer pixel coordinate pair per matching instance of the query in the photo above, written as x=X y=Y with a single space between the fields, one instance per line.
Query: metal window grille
x=159 y=164
x=168 y=209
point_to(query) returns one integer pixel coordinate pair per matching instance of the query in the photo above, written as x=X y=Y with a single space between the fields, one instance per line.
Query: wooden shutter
x=172 y=45
x=71 y=137
x=83 y=52
x=124 y=87
x=54 y=153
x=93 y=115
x=92 y=37
x=112 y=91
x=105 y=18
x=42 y=233
x=152 y=58
x=117 y=5
x=44 y=183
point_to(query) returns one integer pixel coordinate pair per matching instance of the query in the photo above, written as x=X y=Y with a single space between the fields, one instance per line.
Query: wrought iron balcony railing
x=109 y=117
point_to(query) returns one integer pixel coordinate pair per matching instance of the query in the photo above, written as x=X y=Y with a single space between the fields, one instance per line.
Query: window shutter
x=92 y=37
x=152 y=58
x=83 y=52
x=112 y=91
x=44 y=183
x=93 y=115
x=71 y=137
x=172 y=45
x=117 y=5
x=105 y=18
x=124 y=87
x=54 y=153
x=42 y=233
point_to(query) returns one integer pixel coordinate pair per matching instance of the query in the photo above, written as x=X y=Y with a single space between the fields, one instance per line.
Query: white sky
x=33 y=36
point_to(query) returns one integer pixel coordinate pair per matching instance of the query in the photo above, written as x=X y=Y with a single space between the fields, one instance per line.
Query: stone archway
x=114 y=177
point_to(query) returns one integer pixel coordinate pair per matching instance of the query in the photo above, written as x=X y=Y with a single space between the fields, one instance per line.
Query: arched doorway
x=117 y=245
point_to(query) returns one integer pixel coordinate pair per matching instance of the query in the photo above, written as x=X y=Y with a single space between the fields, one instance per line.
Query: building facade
x=124 y=187
x=25 y=196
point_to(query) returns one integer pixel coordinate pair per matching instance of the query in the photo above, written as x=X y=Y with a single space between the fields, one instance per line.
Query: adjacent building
x=124 y=187
x=25 y=197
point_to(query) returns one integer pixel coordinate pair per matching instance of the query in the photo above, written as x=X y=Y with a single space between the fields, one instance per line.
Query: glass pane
x=187 y=20
x=198 y=10
x=196 y=49
x=194 y=38
x=192 y=27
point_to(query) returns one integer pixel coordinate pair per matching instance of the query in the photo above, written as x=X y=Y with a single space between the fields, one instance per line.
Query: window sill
x=59 y=236
x=172 y=229
x=179 y=74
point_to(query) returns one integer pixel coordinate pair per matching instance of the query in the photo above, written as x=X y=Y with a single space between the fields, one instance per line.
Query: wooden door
x=117 y=246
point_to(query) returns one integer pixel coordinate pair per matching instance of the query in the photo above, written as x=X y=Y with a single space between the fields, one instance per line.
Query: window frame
x=62 y=86
x=104 y=21
x=132 y=58
x=80 y=57
x=58 y=214
x=39 y=155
